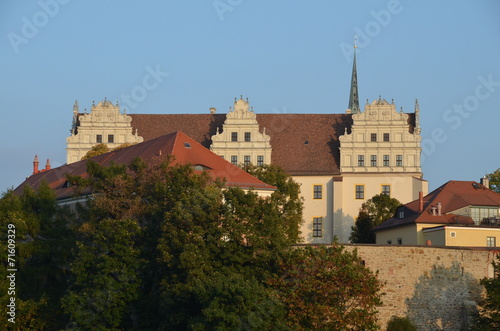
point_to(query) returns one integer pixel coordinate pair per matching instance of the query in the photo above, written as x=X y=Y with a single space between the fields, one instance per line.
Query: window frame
x=98 y=138
x=234 y=136
x=387 y=137
x=373 y=137
x=246 y=160
x=248 y=136
x=491 y=240
x=234 y=159
x=260 y=160
x=399 y=160
x=382 y=189
x=361 y=160
x=386 y=161
x=373 y=160
x=317 y=191
x=359 y=194
x=317 y=231
x=111 y=138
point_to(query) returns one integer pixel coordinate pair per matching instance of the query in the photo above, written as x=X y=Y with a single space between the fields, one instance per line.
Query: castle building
x=340 y=160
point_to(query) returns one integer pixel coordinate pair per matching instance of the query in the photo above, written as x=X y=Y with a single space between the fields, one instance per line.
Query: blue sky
x=285 y=56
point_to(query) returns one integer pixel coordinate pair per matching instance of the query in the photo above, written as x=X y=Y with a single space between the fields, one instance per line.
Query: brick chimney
x=47 y=165
x=35 y=165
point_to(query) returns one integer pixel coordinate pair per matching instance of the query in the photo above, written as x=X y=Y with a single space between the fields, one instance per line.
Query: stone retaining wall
x=428 y=284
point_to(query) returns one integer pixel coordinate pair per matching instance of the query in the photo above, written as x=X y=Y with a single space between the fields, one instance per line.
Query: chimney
x=213 y=110
x=420 y=202
x=35 y=165
x=433 y=211
x=439 y=207
x=47 y=165
x=485 y=182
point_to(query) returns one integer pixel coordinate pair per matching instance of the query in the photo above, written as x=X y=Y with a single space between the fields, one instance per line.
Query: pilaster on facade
x=240 y=140
x=104 y=124
x=381 y=140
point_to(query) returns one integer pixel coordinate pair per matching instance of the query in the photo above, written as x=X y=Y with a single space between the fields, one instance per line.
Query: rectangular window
x=386 y=160
x=399 y=160
x=386 y=189
x=260 y=160
x=248 y=136
x=234 y=159
x=246 y=160
x=373 y=160
x=111 y=138
x=99 y=139
x=361 y=160
x=318 y=227
x=491 y=241
x=318 y=192
x=386 y=137
x=373 y=137
x=234 y=136
x=360 y=191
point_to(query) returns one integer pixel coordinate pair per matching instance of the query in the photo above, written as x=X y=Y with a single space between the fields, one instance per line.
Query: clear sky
x=285 y=56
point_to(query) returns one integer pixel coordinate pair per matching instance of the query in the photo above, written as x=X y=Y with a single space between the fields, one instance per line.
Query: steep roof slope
x=452 y=196
x=302 y=143
x=185 y=150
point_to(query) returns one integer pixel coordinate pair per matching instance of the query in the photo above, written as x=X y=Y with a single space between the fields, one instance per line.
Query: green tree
x=96 y=150
x=489 y=312
x=207 y=250
x=103 y=148
x=494 y=180
x=373 y=212
x=327 y=288
x=107 y=278
x=43 y=243
x=397 y=323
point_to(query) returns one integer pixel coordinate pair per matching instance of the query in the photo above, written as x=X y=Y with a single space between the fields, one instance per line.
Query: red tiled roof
x=452 y=195
x=185 y=149
x=302 y=144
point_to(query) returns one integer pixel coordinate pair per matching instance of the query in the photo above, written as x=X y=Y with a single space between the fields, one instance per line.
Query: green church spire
x=353 y=97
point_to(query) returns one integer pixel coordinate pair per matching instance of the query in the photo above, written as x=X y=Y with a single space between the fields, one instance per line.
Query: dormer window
x=401 y=213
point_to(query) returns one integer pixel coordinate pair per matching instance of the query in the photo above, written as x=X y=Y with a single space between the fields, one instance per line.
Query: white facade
x=380 y=153
x=104 y=124
x=240 y=141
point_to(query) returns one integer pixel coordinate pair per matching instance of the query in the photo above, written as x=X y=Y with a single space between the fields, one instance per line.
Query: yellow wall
x=316 y=207
x=464 y=236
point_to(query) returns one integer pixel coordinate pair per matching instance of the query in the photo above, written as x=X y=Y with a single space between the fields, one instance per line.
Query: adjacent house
x=184 y=149
x=458 y=213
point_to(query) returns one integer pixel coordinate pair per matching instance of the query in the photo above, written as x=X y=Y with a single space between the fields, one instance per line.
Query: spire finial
x=353 y=96
x=355 y=40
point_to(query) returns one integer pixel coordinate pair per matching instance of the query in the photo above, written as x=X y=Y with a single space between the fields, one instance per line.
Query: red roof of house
x=452 y=195
x=185 y=150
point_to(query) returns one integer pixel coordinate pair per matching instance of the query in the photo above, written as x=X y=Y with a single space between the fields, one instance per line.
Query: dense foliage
x=163 y=247
x=494 y=179
x=373 y=212
x=397 y=323
x=328 y=288
x=489 y=317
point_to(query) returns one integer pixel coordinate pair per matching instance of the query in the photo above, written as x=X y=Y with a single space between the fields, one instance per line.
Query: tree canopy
x=494 y=178
x=160 y=246
x=489 y=312
x=373 y=212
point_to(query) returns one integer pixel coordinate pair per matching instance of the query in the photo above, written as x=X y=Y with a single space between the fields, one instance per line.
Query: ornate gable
x=104 y=124
x=240 y=140
x=380 y=141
